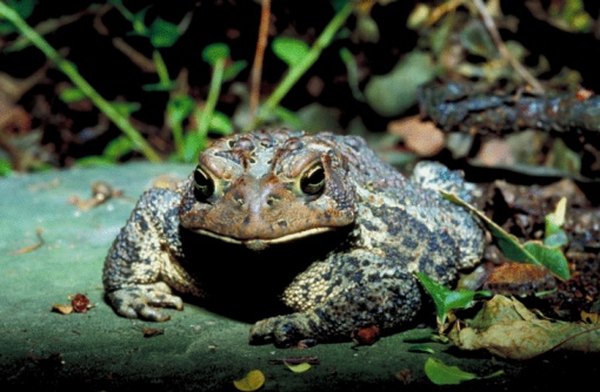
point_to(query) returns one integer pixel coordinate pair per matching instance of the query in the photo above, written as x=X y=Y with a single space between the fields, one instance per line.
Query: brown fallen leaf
x=79 y=304
x=590 y=318
x=519 y=279
x=421 y=137
x=405 y=376
x=62 y=308
x=495 y=152
x=505 y=327
x=152 y=332
x=101 y=193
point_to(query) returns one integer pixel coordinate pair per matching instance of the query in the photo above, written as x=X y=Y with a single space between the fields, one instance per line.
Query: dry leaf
x=421 y=137
x=505 y=327
x=405 y=376
x=152 y=332
x=496 y=152
x=62 y=308
x=590 y=318
x=519 y=279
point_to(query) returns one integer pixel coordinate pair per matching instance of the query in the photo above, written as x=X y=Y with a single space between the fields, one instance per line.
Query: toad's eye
x=204 y=186
x=313 y=180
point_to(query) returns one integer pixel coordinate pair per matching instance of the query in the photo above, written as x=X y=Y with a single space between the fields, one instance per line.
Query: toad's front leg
x=381 y=295
x=141 y=266
x=142 y=301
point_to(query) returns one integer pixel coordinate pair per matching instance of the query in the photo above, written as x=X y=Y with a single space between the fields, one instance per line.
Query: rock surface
x=198 y=350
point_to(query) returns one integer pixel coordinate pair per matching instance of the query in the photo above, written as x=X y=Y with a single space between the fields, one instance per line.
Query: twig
x=298 y=70
x=143 y=62
x=504 y=52
x=30 y=248
x=261 y=44
x=69 y=69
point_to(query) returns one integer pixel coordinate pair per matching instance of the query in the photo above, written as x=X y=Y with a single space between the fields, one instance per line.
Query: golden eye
x=204 y=186
x=313 y=180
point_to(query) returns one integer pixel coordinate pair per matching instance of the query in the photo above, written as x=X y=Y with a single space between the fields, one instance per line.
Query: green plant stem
x=161 y=68
x=296 y=72
x=70 y=70
x=208 y=110
x=177 y=132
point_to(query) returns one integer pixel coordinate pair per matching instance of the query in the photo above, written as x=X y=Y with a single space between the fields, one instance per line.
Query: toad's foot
x=284 y=330
x=141 y=301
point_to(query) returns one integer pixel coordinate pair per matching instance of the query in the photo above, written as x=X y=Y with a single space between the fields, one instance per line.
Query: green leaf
x=220 y=123
x=290 y=50
x=563 y=158
x=476 y=40
x=179 y=108
x=418 y=16
x=570 y=15
x=421 y=348
x=22 y=7
x=556 y=219
x=441 y=374
x=367 y=28
x=551 y=258
x=393 y=93
x=117 y=148
x=445 y=299
x=5 y=167
x=288 y=117
x=138 y=22
x=71 y=95
x=555 y=236
x=530 y=252
x=556 y=240
x=215 y=52
x=352 y=71
x=163 y=34
x=232 y=70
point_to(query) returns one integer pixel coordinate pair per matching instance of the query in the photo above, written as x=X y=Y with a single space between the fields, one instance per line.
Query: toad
x=317 y=223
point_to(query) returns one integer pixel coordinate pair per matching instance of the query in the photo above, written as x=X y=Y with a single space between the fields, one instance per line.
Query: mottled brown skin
x=360 y=229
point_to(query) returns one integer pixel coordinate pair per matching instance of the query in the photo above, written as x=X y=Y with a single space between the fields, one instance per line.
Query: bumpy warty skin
x=357 y=231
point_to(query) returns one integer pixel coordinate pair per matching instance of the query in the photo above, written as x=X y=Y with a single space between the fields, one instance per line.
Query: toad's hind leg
x=456 y=221
x=379 y=294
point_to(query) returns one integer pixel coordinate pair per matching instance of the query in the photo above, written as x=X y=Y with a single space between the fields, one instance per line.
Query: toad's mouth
x=258 y=244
